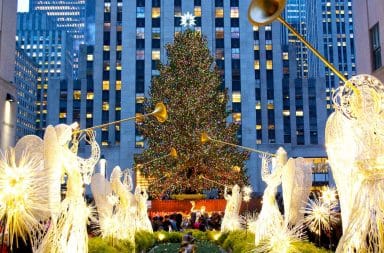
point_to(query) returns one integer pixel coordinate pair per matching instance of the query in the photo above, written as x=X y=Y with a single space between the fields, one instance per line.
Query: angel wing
x=296 y=183
x=339 y=138
x=53 y=167
x=101 y=190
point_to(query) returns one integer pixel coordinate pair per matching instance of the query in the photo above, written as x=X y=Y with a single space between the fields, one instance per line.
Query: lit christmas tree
x=189 y=85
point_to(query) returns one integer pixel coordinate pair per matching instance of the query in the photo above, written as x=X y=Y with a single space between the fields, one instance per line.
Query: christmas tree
x=190 y=86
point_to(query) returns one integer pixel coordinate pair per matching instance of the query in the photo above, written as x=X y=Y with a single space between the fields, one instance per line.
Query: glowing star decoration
x=270 y=215
x=23 y=195
x=188 y=20
x=328 y=195
x=354 y=139
x=282 y=239
x=231 y=219
x=320 y=215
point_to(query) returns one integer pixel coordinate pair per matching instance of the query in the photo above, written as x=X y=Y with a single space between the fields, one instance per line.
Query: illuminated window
x=236 y=97
x=286 y=113
x=76 y=94
x=236 y=117
x=89 y=57
x=63 y=115
x=139 y=99
x=197 y=11
x=270 y=106
x=234 y=12
x=106 y=48
x=90 y=95
x=105 y=106
x=155 y=54
x=299 y=113
x=118 y=85
x=256 y=64
x=104 y=143
x=285 y=55
x=269 y=64
x=219 y=12
x=105 y=85
x=258 y=127
x=89 y=115
x=268 y=47
x=155 y=12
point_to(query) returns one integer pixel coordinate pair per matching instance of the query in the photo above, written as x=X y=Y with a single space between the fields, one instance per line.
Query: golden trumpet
x=205 y=138
x=160 y=113
x=172 y=153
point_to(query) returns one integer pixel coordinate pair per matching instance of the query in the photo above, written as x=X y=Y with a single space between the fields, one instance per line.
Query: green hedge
x=239 y=241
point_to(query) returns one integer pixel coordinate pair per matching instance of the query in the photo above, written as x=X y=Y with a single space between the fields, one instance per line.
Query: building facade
x=52 y=50
x=369 y=29
x=26 y=73
x=295 y=14
x=330 y=31
x=267 y=98
x=69 y=15
x=8 y=103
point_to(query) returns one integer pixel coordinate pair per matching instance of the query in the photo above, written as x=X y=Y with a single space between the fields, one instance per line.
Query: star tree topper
x=188 y=20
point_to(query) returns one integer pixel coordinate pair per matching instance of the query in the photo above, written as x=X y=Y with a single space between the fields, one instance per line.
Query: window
x=375 y=47
x=219 y=32
x=155 y=12
x=140 y=33
x=219 y=12
x=234 y=12
x=155 y=55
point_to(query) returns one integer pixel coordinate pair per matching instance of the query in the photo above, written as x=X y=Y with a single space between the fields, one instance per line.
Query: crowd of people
x=196 y=220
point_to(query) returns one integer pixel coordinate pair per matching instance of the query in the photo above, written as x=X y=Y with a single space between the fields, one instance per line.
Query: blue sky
x=22 y=5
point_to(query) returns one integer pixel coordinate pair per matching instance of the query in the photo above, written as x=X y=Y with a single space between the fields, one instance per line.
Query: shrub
x=144 y=240
x=98 y=245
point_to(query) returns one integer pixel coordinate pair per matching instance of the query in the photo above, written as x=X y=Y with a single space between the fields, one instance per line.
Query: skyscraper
x=295 y=15
x=52 y=50
x=26 y=73
x=69 y=15
x=330 y=30
x=7 y=67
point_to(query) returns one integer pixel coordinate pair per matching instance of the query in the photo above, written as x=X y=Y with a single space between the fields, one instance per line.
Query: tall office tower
x=26 y=73
x=7 y=67
x=295 y=14
x=52 y=50
x=69 y=15
x=330 y=30
x=272 y=107
x=369 y=29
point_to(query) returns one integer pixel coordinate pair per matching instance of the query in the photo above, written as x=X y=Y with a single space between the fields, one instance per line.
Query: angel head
x=64 y=132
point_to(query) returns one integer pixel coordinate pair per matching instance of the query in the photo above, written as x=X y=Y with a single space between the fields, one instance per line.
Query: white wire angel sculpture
x=355 y=146
x=231 y=219
x=143 y=222
x=68 y=228
x=270 y=215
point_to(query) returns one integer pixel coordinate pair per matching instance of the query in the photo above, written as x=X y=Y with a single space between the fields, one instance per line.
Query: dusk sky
x=22 y=5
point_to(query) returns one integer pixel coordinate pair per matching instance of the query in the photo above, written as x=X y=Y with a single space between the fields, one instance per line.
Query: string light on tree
x=188 y=20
